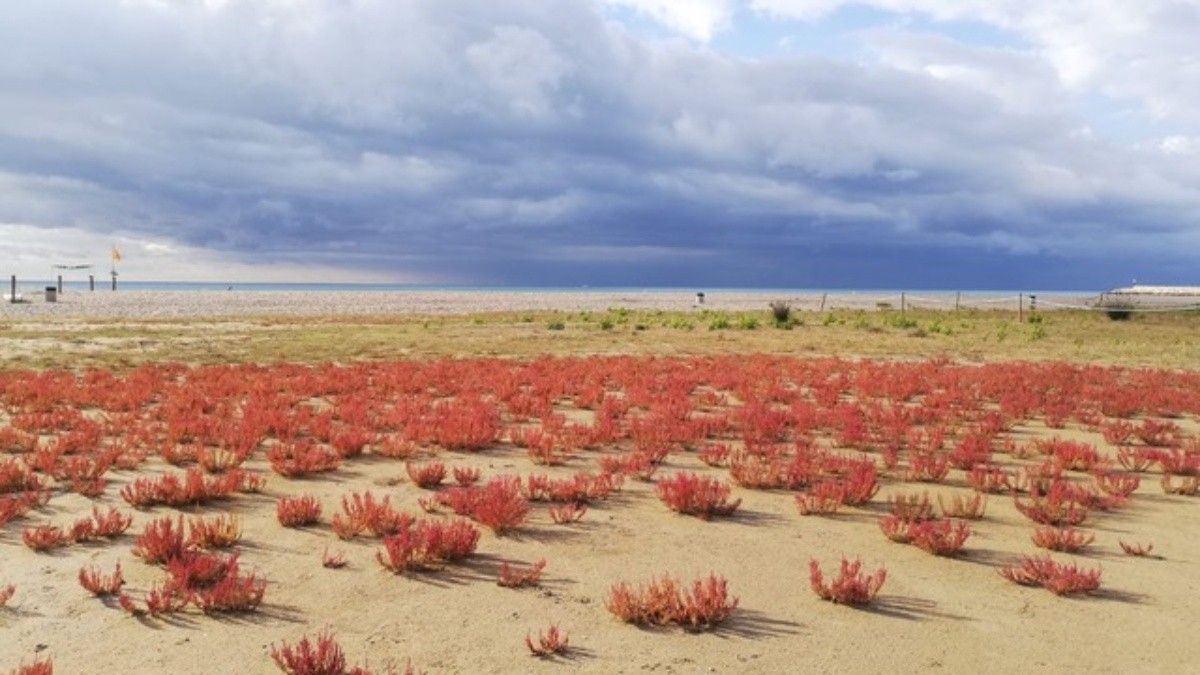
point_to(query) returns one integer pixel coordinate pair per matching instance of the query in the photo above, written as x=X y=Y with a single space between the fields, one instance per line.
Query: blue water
x=104 y=285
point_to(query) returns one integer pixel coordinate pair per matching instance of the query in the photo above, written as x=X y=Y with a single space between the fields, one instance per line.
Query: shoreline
x=158 y=304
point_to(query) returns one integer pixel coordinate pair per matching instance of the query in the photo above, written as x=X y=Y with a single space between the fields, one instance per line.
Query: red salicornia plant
x=1064 y=539
x=308 y=657
x=428 y=545
x=298 y=511
x=45 y=538
x=511 y=577
x=222 y=531
x=1059 y=578
x=426 y=475
x=694 y=495
x=850 y=587
x=703 y=605
x=466 y=475
x=100 y=584
x=1134 y=549
x=334 y=561
x=565 y=514
x=551 y=642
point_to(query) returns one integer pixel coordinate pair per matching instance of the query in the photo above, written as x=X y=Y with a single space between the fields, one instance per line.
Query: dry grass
x=1160 y=340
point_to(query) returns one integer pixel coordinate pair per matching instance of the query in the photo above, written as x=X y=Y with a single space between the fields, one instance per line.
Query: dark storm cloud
x=535 y=142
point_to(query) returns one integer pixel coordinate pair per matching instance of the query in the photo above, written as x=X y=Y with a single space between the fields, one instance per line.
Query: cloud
x=697 y=19
x=542 y=143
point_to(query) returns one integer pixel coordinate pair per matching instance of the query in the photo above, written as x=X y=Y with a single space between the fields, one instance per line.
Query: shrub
x=1058 y=505
x=427 y=545
x=781 y=312
x=895 y=528
x=567 y=513
x=1064 y=539
x=108 y=525
x=498 y=504
x=160 y=541
x=939 y=537
x=170 y=490
x=990 y=479
x=333 y=561
x=1060 y=579
x=221 y=531
x=363 y=513
x=927 y=467
x=550 y=643
x=1118 y=484
x=969 y=508
x=911 y=507
x=234 y=593
x=1137 y=460
x=164 y=599
x=520 y=578
x=298 y=511
x=427 y=476
x=351 y=442
x=1117 y=310
x=322 y=657
x=466 y=475
x=195 y=571
x=716 y=454
x=1188 y=486
x=1135 y=549
x=297 y=460
x=664 y=601
x=45 y=538
x=822 y=499
x=99 y=584
x=850 y=587
x=690 y=494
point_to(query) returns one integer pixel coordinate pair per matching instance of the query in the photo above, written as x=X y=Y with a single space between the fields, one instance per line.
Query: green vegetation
x=1159 y=339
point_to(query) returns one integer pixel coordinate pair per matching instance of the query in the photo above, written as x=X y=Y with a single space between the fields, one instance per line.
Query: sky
x=970 y=144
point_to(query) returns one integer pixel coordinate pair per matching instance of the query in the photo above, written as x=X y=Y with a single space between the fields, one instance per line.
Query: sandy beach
x=196 y=304
x=953 y=614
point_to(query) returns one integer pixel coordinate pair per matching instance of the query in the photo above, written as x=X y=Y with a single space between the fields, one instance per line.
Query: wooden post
x=1020 y=307
x=13 y=297
x=901 y=303
x=822 y=302
x=91 y=282
x=60 y=284
x=957 y=299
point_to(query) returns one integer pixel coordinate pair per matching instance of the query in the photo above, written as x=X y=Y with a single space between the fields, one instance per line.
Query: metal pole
x=60 y=284
x=1020 y=307
x=823 y=302
x=957 y=299
x=114 y=280
x=91 y=282
x=901 y=303
x=13 y=297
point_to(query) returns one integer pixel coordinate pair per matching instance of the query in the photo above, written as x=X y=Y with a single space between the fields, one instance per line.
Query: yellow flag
x=116 y=254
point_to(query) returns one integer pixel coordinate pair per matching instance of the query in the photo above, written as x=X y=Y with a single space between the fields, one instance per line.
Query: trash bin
x=51 y=294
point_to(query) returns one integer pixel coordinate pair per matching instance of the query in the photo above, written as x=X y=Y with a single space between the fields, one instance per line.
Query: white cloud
x=32 y=250
x=697 y=19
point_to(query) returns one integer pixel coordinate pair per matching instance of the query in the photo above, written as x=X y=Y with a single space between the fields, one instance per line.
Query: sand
x=935 y=614
x=191 y=304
